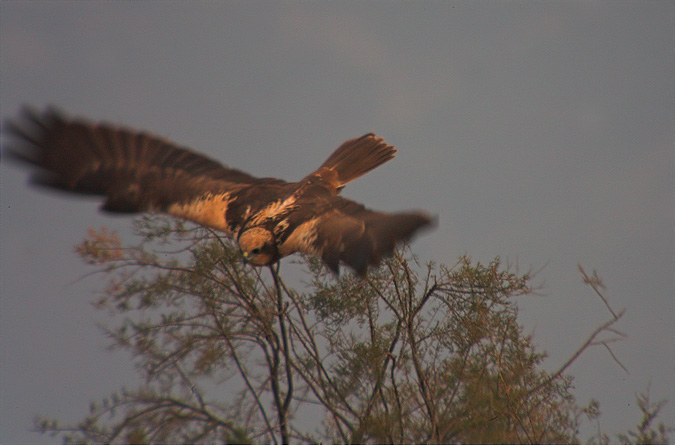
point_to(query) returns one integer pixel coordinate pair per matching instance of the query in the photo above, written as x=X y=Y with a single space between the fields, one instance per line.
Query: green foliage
x=231 y=354
x=647 y=432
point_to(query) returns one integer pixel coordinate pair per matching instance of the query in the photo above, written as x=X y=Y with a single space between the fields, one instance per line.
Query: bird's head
x=258 y=246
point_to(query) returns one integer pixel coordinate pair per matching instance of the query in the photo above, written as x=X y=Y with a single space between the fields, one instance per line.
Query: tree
x=232 y=354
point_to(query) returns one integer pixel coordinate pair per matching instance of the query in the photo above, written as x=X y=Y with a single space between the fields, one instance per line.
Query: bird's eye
x=255 y=251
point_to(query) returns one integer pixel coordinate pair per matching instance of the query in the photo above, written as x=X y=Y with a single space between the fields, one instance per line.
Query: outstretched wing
x=347 y=232
x=134 y=171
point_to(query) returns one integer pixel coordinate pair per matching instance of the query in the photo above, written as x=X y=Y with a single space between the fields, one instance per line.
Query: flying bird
x=268 y=218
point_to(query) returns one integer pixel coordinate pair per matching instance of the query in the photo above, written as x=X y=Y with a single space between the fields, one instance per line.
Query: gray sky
x=538 y=132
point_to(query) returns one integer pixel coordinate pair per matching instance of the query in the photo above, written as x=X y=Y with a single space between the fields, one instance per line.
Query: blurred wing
x=347 y=232
x=134 y=171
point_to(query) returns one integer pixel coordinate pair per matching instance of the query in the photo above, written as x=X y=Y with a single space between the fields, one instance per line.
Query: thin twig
x=614 y=357
x=595 y=283
x=579 y=351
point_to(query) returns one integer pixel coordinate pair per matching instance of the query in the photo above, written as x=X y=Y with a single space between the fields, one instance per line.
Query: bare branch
x=578 y=352
x=596 y=284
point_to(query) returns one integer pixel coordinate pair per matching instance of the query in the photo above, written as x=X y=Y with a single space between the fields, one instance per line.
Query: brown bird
x=269 y=218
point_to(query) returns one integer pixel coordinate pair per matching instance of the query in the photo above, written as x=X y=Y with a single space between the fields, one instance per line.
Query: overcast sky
x=538 y=132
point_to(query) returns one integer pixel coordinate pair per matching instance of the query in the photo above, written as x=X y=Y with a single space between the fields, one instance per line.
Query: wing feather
x=135 y=171
x=347 y=232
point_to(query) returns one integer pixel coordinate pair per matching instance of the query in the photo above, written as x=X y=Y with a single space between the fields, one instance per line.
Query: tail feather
x=356 y=157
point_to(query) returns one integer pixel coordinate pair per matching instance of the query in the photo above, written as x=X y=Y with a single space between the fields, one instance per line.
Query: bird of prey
x=267 y=217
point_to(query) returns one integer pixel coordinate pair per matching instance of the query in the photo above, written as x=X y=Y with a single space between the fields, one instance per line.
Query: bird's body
x=269 y=218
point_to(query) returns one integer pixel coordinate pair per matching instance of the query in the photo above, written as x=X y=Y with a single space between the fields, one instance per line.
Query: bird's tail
x=356 y=157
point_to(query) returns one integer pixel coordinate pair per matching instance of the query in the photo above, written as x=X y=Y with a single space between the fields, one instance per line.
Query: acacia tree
x=230 y=353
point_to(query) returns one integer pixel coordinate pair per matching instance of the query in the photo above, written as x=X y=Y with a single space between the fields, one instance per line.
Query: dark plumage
x=269 y=218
